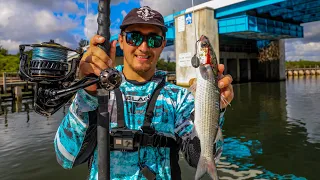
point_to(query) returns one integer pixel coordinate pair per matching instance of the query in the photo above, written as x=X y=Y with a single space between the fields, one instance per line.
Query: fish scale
x=207 y=111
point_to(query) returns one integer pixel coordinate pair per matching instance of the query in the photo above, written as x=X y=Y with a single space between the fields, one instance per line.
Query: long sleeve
x=71 y=139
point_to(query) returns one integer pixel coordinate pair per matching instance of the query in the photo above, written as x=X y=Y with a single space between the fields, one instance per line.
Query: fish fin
x=193 y=85
x=205 y=166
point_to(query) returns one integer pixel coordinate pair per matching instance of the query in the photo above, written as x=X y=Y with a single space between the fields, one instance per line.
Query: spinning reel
x=55 y=75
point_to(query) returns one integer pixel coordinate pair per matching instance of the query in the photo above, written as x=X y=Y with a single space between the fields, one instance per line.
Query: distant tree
x=8 y=62
x=168 y=59
x=301 y=64
x=166 y=66
x=3 y=51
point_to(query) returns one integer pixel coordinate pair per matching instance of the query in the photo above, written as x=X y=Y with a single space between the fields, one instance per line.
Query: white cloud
x=124 y=13
x=10 y=45
x=5 y=16
x=307 y=48
x=70 y=6
x=91 y=26
x=22 y=22
x=296 y=50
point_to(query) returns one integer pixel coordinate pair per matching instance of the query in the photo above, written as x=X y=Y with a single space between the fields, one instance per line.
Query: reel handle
x=104 y=24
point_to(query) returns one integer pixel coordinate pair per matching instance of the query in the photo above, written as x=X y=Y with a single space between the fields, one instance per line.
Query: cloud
x=10 y=45
x=29 y=22
x=169 y=52
x=124 y=13
x=307 y=48
x=91 y=26
x=60 y=6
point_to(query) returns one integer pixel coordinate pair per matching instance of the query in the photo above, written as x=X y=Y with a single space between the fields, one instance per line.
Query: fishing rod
x=55 y=79
x=103 y=121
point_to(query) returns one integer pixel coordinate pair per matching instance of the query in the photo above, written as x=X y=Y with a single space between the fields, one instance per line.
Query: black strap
x=150 y=107
x=120 y=112
x=149 y=114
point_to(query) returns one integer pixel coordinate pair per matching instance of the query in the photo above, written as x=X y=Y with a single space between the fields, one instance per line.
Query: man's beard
x=140 y=70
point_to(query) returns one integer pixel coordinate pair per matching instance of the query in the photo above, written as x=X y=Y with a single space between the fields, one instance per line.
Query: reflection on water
x=271 y=132
x=13 y=107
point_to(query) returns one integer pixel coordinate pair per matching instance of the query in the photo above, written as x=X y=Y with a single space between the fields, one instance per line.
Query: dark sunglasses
x=136 y=38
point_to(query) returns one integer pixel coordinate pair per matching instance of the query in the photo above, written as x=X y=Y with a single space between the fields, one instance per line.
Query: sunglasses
x=136 y=38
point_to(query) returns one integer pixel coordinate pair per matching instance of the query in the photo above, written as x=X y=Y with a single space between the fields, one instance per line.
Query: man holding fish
x=186 y=120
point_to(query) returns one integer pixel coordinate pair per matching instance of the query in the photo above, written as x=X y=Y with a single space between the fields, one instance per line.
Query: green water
x=272 y=131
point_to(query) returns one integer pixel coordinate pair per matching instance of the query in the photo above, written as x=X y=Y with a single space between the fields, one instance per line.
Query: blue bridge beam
x=244 y=6
x=300 y=13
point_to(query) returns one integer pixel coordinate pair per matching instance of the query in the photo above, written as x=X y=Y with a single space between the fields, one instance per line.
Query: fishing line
x=195 y=24
x=87 y=14
x=195 y=60
x=50 y=54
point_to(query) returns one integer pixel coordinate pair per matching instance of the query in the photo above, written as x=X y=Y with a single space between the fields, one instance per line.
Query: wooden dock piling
x=14 y=89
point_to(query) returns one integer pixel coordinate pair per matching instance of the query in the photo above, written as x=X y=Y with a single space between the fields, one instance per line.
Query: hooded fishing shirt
x=172 y=118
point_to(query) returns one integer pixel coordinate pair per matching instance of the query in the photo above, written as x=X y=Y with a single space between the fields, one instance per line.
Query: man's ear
x=120 y=39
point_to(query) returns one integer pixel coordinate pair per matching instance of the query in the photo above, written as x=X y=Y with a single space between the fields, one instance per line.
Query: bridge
x=249 y=35
x=252 y=19
x=306 y=71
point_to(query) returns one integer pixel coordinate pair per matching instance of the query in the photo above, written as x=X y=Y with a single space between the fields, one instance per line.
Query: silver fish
x=207 y=109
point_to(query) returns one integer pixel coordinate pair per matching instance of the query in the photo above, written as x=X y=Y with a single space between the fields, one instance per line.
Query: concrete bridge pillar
x=272 y=62
x=282 y=60
x=187 y=33
x=224 y=61
x=249 y=70
x=238 y=70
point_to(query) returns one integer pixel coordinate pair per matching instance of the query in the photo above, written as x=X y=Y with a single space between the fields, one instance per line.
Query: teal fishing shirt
x=172 y=118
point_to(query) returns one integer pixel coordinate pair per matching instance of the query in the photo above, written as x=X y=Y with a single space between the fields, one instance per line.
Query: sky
x=68 y=21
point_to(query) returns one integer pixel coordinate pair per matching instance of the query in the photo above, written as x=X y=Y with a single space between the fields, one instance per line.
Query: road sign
x=188 y=18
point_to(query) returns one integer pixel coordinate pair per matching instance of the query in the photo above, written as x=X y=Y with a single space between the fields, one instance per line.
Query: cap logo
x=145 y=13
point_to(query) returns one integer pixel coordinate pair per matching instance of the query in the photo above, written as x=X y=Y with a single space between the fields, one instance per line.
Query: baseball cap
x=144 y=15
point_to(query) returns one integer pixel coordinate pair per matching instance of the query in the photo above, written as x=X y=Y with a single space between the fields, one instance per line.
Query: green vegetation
x=166 y=66
x=302 y=64
x=10 y=62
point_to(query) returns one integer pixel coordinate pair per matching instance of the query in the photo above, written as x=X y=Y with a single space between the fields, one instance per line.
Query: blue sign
x=188 y=18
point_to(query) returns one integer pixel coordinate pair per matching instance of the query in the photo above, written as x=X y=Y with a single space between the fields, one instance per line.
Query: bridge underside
x=275 y=21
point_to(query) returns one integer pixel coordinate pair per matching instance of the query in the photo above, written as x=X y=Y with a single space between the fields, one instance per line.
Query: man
x=142 y=40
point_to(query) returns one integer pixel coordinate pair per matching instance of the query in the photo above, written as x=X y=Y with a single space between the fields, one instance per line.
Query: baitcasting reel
x=55 y=78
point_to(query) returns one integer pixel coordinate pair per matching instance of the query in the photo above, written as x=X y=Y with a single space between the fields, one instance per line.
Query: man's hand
x=95 y=60
x=226 y=87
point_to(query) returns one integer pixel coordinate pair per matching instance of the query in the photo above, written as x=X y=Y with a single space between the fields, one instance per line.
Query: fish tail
x=206 y=166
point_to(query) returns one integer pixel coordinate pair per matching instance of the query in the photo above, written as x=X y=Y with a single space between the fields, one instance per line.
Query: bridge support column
x=202 y=23
x=225 y=61
x=238 y=70
x=272 y=62
x=249 y=69
x=282 y=60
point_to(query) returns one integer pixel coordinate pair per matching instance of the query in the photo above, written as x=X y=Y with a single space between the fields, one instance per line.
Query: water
x=272 y=131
